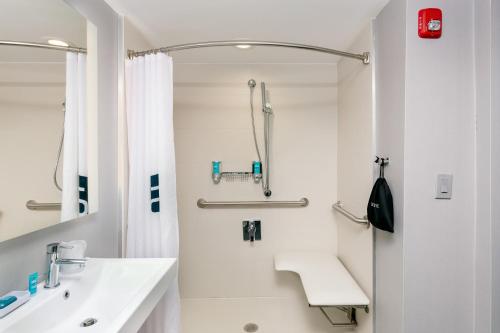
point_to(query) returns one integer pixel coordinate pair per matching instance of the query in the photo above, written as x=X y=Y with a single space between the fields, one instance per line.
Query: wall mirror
x=48 y=115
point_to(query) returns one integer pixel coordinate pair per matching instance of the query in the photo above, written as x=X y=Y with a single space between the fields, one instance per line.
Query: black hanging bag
x=380 y=209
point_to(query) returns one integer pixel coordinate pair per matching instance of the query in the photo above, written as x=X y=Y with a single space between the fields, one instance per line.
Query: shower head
x=263 y=94
x=252 y=83
x=266 y=105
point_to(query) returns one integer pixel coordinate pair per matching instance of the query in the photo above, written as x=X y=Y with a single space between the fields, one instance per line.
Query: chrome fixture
x=382 y=162
x=268 y=112
x=257 y=166
x=364 y=57
x=202 y=203
x=350 y=311
x=33 y=205
x=233 y=176
x=54 y=262
x=43 y=46
x=252 y=230
x=88 y=322
x=257 y=175
x=236 y=176
x=59 y=150
x=360 y=220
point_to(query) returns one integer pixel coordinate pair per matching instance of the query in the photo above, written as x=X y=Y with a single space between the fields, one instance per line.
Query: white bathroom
x=277 y=166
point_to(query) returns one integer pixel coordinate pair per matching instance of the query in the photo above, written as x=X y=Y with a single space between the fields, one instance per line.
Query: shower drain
x=251 y=327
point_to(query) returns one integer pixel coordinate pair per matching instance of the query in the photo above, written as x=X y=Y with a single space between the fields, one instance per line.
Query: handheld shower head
x=263 y=95
x=266 y=105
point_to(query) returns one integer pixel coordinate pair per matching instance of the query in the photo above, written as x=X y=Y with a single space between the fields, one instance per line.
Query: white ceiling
x=36 y=21
x=328 y=23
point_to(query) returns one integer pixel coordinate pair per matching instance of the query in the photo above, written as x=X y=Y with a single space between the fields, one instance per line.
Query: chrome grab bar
x=202 y=203
x=360 y=220
x=33 y=205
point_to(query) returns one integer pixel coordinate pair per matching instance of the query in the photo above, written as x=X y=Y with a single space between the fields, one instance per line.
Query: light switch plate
x=444 y=186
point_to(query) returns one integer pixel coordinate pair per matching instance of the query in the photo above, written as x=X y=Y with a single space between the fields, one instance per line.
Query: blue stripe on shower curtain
x=83 y=195
x=155 y=193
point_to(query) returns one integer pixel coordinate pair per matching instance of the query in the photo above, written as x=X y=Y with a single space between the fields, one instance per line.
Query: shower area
x=32 y=113
x=263 y=152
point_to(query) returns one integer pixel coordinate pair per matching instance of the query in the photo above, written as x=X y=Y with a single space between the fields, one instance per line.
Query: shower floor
x=272 y=315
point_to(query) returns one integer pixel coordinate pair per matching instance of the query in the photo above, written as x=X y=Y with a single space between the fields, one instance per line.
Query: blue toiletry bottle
x=216 y=167
x=32 y=283
x=257 y=171
x=216 y=175
x=257 y=167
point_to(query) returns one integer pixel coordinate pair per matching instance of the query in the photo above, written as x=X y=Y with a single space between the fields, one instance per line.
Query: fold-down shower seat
x=326 y=282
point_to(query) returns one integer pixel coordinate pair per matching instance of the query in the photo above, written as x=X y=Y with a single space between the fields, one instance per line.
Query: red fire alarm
x=430 y=23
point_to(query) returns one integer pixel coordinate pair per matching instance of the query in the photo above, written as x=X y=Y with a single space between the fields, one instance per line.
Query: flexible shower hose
x=253 y=125
x=59 y=152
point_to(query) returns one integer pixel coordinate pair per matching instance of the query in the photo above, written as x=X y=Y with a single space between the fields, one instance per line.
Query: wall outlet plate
x=258 y=230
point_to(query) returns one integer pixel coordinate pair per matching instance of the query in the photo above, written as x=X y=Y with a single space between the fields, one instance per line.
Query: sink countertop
x=119 y=293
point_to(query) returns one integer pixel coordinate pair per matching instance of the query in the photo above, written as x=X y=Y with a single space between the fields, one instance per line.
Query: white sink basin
x=119 y=293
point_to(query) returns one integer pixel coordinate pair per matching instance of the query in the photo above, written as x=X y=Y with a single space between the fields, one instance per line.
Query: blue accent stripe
x=155 y=180
x=155 y=193
x=83 y=195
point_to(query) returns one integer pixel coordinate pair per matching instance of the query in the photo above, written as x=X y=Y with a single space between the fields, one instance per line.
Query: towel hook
x=382 y=162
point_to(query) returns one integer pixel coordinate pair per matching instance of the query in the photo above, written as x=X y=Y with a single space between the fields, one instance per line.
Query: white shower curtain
x=152 y=205
x=75 y=189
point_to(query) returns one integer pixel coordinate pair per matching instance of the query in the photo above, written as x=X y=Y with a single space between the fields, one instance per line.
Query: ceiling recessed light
x=57 y=42
x=243 y=46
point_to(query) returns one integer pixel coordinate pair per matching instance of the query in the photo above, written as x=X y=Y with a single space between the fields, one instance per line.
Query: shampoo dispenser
x=216 y=175
x=257 y=171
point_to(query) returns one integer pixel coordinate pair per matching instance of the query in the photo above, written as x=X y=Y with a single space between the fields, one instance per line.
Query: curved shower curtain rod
x=43 y=46
x=364 y=57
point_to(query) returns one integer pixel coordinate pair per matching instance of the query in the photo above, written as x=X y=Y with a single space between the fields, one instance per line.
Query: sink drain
x=88 y=322
x=251 y=327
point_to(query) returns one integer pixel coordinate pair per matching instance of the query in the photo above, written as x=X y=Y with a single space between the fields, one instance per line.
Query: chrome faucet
x=54 y=262
x=251 y=230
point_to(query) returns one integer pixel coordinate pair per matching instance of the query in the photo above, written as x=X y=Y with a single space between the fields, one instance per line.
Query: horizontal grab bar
x=202 y=203
x=360 y=220
x=33 y=205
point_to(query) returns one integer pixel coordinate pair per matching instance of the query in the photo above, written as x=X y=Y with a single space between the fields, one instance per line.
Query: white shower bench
x=326 y=282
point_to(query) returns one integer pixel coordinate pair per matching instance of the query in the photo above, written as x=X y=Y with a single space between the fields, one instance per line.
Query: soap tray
x=22 y=297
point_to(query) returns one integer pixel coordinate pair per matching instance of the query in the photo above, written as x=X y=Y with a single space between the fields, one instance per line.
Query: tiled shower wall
x=218 y=270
